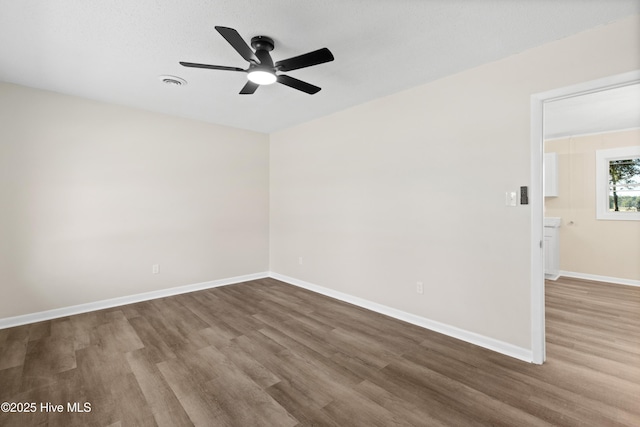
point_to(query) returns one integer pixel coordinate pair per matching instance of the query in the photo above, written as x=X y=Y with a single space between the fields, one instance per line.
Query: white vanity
x=551 y=248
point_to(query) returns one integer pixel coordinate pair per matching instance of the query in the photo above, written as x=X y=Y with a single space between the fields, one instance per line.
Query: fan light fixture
x=262 y=77
x=262 y=70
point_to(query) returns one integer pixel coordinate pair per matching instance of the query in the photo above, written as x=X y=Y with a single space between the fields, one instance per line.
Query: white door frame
x=537 y=198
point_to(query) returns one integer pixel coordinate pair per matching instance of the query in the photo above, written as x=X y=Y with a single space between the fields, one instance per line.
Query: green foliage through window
x=624 y=185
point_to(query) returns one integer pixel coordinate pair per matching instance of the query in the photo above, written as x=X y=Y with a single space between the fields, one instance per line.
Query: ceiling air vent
x=173 y=80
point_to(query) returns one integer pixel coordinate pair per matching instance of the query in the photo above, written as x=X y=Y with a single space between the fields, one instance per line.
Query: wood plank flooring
x=264 y=353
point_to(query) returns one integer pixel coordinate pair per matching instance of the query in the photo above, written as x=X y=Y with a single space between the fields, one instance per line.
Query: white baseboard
x=9 y=322
x=452 y=331
x=606 y=279
x=553 y=277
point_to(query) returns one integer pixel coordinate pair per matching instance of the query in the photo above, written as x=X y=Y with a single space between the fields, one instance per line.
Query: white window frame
x=603 y=157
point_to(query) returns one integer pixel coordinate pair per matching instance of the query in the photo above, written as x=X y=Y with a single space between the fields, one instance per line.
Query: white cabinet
x=551 y=248
x=550 y=174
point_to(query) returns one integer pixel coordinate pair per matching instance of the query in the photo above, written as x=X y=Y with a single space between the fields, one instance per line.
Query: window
x=618 y=183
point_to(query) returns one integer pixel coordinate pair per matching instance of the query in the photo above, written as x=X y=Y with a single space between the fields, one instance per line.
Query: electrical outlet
x=419 y=288
x=155 y=268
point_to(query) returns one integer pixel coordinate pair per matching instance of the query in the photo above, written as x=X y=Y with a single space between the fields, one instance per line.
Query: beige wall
x=411 y=188
x=93 y=194
x=590 y=246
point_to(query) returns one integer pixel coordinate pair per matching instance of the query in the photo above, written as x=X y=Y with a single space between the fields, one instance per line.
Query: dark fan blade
x=211 y=67
x=298 y=84
x=316 y=57
x=238 y=44
x=249 y=88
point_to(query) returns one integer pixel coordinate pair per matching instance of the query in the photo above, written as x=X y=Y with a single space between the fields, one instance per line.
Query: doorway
x=538 y=102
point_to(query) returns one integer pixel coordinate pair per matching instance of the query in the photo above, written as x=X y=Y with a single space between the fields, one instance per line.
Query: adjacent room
x=239 y=214
x=596 y=241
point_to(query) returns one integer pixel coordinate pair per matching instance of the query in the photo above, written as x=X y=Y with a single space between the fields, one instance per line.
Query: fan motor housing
x=262 y=43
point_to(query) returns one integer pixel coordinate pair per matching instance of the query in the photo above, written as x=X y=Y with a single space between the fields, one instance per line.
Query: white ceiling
x=114 y=50
x=603 y=111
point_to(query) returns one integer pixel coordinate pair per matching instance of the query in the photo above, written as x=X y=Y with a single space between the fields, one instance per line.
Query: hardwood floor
x=267 y=353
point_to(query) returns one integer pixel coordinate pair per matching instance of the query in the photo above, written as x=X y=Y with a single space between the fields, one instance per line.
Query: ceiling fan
x=262 y=70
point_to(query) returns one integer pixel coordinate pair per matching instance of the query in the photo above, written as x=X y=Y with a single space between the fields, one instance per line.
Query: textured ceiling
x=114 y=50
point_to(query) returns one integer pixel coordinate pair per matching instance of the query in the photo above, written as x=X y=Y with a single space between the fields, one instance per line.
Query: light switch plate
x=511 y=198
